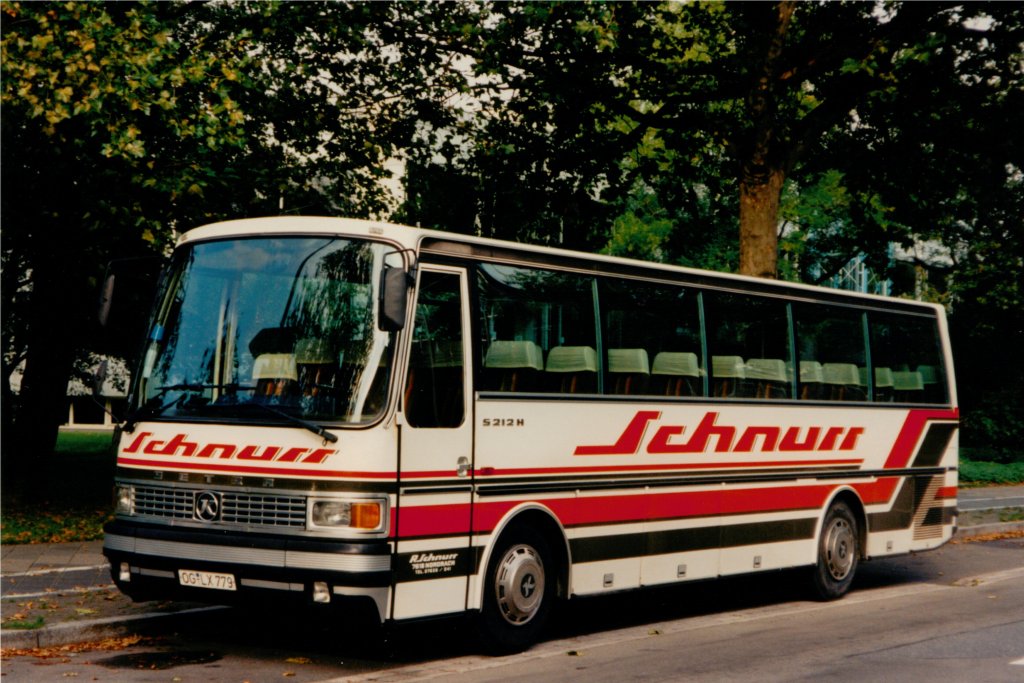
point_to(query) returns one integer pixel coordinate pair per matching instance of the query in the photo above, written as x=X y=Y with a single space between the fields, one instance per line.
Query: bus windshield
x=269 y=328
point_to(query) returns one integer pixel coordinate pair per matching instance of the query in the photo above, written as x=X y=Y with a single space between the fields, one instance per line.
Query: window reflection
x=288 y=323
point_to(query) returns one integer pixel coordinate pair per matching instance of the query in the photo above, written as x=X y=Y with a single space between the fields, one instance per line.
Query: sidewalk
x=62 y=593
x=49 y=558
x=59 y=593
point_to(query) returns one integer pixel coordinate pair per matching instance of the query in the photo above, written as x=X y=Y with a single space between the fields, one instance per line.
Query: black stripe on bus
x=500 y=485
x=436 y=564
x=690 y=540
x=900 y=515
x=933 y=446
x=528 y=487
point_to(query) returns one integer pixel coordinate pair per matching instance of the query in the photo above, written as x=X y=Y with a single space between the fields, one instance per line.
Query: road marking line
x=57 y=570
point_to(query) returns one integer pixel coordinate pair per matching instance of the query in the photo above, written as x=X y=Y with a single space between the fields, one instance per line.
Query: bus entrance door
x=433 y=558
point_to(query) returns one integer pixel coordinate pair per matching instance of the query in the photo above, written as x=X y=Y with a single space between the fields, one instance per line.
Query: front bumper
x=145 y=560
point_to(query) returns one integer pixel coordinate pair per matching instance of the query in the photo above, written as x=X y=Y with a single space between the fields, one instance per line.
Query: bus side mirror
x=394 y=298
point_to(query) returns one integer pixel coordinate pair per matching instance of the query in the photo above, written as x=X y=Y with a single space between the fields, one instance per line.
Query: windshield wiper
x=154 y=406
x=319 y=430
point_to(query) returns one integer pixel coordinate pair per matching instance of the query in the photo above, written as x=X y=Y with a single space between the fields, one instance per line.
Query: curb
x=91 y=629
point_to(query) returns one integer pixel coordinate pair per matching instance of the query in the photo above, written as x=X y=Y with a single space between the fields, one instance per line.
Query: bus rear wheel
x=519 y=592
x=838 y=553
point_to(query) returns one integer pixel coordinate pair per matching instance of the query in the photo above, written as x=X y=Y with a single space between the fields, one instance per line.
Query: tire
x=838 y=553
x=519 y=592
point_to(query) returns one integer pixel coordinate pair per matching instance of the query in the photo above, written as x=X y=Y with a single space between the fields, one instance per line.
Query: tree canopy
x=123 y=122
x=774 y=139
x=720 y=115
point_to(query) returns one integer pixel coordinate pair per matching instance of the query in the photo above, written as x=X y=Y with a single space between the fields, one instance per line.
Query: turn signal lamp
x=355 y=515
x=366 y=515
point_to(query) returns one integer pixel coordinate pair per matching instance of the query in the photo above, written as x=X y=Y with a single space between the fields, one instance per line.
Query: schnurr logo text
x=179 y=445
x=772 y=438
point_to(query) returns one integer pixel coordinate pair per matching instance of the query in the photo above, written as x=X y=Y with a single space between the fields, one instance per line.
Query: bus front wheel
x=519 y=592
x=838 y=553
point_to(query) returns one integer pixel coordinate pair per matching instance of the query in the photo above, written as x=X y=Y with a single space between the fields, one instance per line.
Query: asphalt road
x=989 y=498
x=948 y=615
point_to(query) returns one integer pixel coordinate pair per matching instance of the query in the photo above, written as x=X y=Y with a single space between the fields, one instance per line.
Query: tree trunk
x=759 y=216
x=763 y=169
x=58 y=309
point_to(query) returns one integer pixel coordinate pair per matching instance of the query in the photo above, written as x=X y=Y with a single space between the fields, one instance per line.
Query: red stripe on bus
x=910 y=434
x=439 y=520
x=669 y=506
x=662 y=506
x=251 y=469
x=392 y=522
x=434 y=520
x=877 y=492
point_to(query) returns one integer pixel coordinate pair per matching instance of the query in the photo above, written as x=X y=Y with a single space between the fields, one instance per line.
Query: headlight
x=123 y=500
x=358 y=515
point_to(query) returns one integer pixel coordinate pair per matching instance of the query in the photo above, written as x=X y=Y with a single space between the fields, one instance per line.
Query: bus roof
x=489 y=249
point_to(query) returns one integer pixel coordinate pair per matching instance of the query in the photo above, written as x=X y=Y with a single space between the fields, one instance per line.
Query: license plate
x=195 y=579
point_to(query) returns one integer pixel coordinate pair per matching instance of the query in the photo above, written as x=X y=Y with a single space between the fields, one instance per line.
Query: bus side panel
x=658 y=492
x=687 y=550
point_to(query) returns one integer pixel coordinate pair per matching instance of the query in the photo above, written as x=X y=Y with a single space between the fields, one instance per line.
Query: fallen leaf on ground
x=999 y=536
x=106 y=645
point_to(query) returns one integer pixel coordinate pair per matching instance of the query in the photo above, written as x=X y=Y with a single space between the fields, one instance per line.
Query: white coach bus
x=343 y=411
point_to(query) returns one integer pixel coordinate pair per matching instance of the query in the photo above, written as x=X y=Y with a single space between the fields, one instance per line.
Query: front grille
x=238 y=508
x=168 y=503
x=253 y=509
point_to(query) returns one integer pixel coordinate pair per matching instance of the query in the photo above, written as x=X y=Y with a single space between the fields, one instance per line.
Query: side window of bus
x=434 y=394
x=749 y=345
x=651 y=335
x=905 y=356
x=832 y=353
x=538 y=330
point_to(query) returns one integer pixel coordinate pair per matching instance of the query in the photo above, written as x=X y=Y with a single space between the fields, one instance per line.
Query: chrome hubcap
x=519 y=584
x=840 y=549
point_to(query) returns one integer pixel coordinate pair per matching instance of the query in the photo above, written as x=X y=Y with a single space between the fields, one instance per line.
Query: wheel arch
x=544 y=521
x=852 y=499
